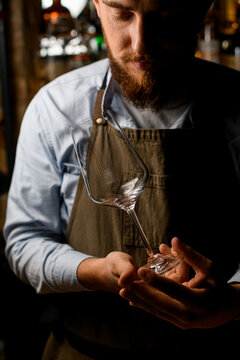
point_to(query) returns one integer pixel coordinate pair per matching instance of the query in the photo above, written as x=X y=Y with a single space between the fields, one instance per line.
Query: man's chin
x=140 y=87
x=132 y=70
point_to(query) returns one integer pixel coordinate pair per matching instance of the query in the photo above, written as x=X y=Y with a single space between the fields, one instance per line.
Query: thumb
x=128 y=273
x=193 y=258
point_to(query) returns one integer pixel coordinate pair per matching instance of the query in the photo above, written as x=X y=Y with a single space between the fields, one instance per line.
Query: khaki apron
x=190 y=194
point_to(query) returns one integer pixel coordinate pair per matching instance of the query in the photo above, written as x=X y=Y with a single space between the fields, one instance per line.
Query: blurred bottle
x=57 y=20
x=236 y=36
x=229 y=27
x=67 y=43
x=88 y=26
x=209 y=44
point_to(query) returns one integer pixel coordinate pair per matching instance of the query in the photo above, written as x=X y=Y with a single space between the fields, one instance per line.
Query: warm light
x=235 y=25
x=53 y=17
x=46 y=16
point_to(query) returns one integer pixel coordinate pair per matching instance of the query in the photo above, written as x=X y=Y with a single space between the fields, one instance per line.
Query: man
x=182 y=121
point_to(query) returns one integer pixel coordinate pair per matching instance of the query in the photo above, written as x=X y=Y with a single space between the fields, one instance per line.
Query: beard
x=167 y=80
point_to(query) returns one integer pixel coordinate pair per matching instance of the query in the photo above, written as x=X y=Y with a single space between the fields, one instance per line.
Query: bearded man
x=182 y=117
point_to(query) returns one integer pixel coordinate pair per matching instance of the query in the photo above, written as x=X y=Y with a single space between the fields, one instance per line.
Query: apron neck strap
x=97 y=113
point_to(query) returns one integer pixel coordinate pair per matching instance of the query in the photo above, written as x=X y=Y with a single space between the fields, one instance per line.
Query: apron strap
x=97 y=113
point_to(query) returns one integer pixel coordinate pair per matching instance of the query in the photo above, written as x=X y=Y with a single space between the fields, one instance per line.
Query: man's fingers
x=129 y=274
x=193 y=258
x=180 y=273
x=164 y=249
x=167 y=286
x=138 y=302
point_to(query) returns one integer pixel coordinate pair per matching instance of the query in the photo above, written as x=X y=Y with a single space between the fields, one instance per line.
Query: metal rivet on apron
x=100 y=121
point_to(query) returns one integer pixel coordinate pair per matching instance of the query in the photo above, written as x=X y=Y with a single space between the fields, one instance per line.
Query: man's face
x=150 y=45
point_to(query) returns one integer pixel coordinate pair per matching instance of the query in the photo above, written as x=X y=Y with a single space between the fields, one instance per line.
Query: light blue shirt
x=46 y=174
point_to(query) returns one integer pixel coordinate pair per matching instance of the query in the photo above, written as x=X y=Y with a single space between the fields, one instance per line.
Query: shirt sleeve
x=35 y=245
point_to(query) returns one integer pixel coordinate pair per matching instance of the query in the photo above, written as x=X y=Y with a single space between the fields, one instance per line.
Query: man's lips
x=142 y=65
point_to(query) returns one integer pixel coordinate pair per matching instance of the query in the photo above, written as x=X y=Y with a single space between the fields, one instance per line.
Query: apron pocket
x=152 y=209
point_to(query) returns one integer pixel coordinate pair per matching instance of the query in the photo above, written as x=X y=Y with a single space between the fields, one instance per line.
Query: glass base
x=163 y=263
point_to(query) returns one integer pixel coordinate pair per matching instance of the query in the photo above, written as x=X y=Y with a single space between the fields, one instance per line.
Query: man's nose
x=139 y=36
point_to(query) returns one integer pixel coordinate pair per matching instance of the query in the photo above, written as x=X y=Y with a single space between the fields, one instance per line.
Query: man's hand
x=111 y=273
x=203 y=301
x=179 y=273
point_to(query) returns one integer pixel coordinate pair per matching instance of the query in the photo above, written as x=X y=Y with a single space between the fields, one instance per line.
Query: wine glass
x=109 y=181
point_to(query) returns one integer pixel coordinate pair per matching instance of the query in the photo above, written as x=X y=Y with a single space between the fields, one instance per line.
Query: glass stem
x=133 y=216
